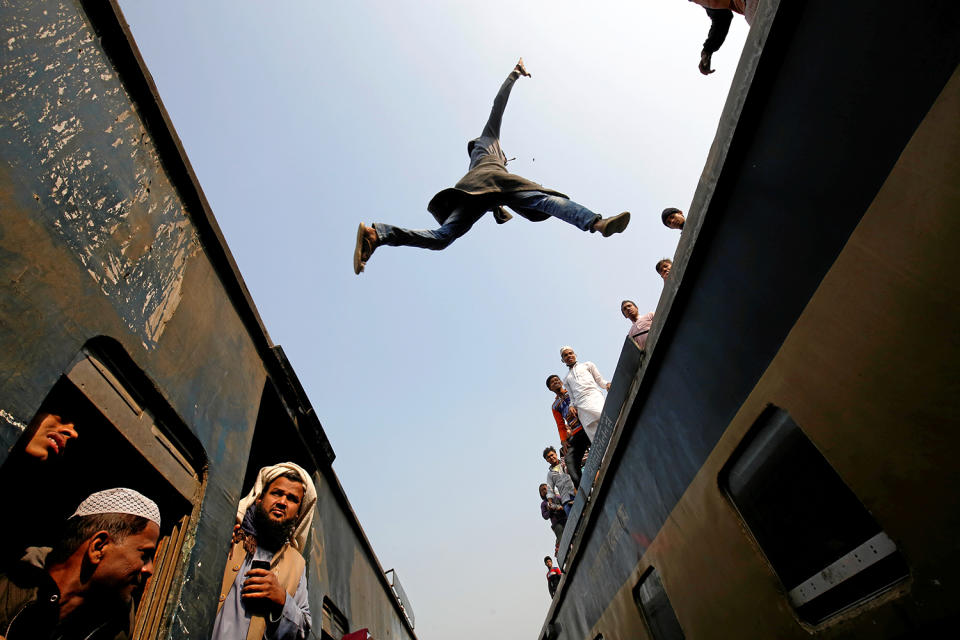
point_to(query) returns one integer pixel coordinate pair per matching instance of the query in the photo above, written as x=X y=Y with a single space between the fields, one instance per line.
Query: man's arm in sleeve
x=596 y=375
x=492 y=128
x=294 y=622
x=561 y=423
x=719 y=26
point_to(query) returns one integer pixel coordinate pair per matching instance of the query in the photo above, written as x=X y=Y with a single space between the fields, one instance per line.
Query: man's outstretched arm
x=719 y=26
x=492 y=128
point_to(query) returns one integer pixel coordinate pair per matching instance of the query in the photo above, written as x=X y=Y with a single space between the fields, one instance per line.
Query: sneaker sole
x=617 y=224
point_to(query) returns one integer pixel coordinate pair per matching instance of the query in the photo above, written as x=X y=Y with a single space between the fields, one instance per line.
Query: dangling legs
x=369 y=238
x=568 y=211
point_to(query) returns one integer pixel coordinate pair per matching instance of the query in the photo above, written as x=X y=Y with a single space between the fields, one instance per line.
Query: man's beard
x=271 y=535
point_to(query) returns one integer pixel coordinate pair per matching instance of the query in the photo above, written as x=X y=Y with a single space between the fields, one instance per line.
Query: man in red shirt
x=573 y=440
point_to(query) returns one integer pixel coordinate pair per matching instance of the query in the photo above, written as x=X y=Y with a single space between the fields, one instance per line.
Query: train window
x=825 y=547
x=658 y=614
x=334 y=624
x=121 y=438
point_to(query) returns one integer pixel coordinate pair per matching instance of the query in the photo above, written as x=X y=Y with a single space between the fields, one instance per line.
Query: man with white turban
x=586 y=386
x=264 y=590
x=83 y=587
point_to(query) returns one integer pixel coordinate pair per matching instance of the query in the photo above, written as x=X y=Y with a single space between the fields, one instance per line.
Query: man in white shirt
x=585 y=386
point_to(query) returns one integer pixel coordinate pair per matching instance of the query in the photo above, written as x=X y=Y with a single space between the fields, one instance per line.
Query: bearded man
x=264 y=591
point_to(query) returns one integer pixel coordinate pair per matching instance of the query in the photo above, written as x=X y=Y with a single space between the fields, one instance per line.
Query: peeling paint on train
x=67 y=116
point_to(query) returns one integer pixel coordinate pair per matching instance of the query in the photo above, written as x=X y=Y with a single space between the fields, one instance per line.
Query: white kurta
x=586 y=385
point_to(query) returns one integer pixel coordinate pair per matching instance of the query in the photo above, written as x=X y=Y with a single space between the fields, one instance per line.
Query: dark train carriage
x=121 y=307
x=783 y=457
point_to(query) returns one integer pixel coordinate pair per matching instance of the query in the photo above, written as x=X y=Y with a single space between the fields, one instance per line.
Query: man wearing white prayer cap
x=83 y=587
x=586 y=386
x=264 y=590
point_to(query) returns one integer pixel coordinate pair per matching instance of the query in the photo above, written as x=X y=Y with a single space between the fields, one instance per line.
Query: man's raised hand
x=704 y=66
x=522 y=70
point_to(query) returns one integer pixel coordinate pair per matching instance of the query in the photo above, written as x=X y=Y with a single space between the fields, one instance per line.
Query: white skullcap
x=564 y=348
x=119 y=501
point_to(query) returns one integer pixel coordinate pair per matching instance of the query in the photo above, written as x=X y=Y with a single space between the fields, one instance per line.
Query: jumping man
x=487 y=186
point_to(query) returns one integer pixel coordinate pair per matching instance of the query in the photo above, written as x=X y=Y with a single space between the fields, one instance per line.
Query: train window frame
x=826 y=549
x=656 y=610
x=129 y=437
x=333 y=624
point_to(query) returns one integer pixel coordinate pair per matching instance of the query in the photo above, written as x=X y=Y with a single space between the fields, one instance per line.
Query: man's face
x=281 y=501
x=126 y=565
x=664 y=270
x=552 y=458
x=675 y=220
x=555 y=384
x=51 y=436
x=543 y=491
x=569 y=357
x=548 y=562
x=629 y=311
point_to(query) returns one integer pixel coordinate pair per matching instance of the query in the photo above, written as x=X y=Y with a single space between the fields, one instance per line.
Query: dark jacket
x=30 y=610
x=719 y=26
x=485 y=184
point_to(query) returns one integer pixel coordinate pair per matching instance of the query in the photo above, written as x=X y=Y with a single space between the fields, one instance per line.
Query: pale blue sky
x=302 y=118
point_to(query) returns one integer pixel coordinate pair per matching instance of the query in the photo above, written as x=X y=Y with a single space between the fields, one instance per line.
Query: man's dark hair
x=542 y=485
x=545 y=558
x=551 y=377
x=623 y=302
x=80 y=529
x=666 y=213
x=661 y=263
x=548 y=450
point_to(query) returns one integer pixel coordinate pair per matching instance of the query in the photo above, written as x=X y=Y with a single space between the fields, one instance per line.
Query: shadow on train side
x=782 y=459
x=121 y=308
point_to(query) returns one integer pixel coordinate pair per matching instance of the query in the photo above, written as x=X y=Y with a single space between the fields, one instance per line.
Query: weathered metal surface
x=68 y=122
x=105 y=232
x=811 y=130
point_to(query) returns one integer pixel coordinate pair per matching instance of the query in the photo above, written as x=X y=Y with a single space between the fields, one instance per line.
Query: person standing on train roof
x=641 y=323
x=264 y=589
x=553 y=575
x=721 y=14
x=673 y=218
x=551 y=509
x=574 y=442
x=487 y=186
x=663 y=267
x=558 y=482
x=586 y=387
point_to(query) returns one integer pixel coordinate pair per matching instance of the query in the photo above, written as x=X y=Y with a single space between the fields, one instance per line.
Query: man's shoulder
x=19 y=586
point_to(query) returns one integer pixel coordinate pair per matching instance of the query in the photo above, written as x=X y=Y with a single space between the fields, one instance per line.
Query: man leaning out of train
x=264 y=590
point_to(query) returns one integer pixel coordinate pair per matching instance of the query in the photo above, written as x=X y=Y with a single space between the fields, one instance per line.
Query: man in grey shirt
x=558 y=482
x=487 y=186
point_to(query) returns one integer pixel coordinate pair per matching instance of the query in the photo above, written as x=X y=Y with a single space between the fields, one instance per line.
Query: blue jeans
x=463 y=218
